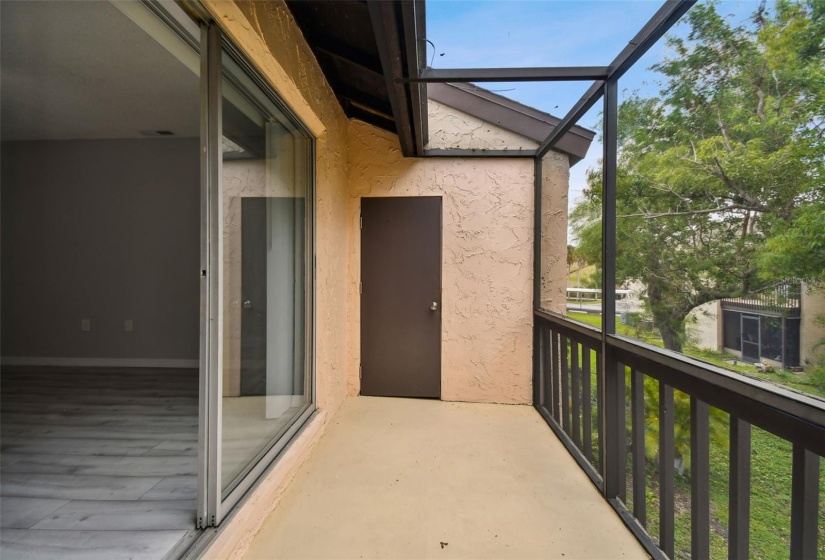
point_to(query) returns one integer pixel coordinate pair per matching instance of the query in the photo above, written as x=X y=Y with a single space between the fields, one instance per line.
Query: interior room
x=100 y=281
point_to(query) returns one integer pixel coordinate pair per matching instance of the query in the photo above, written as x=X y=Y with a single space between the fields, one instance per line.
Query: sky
x=520 y=33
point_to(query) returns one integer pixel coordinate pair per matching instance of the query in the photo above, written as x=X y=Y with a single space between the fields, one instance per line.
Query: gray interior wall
x=106 y=230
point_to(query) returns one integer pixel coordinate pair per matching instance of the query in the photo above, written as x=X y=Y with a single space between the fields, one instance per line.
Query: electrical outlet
x=85 y=325
x=128 y=325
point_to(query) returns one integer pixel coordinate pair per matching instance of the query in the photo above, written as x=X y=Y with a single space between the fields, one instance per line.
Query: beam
x=547 y=74
x=591 y=96
x=654 y=29
x=665 y=18
x=355 y=112
x=411 y=17
x=385 y=26
x=347 y=54
x=469 y=152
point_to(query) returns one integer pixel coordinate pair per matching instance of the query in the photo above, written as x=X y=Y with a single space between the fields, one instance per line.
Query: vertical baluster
x=575 y=377
x=804 y=503
x=621 y=430
x=739 y=489
x=615 y=443
x=699 y=479
x=666 y=478
x=637 y=436
x=565 y=385
x=546 y=369
x=587 y=405
x=538 y=362
x=600 y=410
x=554 y=369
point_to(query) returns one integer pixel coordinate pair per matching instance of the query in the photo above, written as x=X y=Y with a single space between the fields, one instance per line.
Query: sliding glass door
x=265 y=208
x=258 y=337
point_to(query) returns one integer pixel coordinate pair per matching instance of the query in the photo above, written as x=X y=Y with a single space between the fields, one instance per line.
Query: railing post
x=637 y=413
x=614 y=428
x=537 y=363
x=666 y=475
x=699 y=479
x=739 y=493
x=804 y=503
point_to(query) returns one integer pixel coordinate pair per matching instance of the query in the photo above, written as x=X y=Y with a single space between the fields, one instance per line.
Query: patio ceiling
x=342 y=37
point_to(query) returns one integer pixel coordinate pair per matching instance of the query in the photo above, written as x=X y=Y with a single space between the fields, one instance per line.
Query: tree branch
x=688 y=212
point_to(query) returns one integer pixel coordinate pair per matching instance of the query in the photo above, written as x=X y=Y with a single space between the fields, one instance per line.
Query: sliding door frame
x=212 y=505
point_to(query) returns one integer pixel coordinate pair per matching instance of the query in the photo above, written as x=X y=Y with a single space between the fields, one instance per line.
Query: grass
x=770 y=472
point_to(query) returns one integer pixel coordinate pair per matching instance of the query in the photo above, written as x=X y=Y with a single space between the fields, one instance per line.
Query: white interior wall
x=104 y=230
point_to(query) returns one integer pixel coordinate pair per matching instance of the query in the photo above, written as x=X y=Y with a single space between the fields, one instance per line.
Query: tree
x=728 y=155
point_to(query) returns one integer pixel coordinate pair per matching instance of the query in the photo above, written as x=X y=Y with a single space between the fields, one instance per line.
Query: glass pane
x=264 y=208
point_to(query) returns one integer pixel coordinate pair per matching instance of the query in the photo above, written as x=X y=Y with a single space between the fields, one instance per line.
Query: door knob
x=434 y=306
x=247 y=304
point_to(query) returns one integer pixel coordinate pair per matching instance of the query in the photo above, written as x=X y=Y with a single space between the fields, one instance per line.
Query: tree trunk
x=671 y=337
x=670 y=326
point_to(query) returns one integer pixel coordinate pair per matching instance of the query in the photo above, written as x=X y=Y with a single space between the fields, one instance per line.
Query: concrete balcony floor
x=414 y=478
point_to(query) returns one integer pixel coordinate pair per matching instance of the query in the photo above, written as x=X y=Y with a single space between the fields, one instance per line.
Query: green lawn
x=770 y=473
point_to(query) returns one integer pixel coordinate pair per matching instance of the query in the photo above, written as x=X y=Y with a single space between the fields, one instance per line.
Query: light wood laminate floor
x=97 y=463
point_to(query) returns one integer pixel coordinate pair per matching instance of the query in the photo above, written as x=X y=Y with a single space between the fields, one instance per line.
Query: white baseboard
x=99 y=362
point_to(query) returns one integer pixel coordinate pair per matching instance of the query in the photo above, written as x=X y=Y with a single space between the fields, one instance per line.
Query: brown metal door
x=401 y=297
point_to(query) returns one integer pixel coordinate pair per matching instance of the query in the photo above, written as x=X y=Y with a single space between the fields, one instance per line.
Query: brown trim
x=511 y=115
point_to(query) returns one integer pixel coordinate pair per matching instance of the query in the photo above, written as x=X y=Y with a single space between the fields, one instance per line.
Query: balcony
x=570 y=477
x=415 y=478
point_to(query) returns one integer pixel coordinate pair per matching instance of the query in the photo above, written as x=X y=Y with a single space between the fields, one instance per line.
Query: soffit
x=342 y=39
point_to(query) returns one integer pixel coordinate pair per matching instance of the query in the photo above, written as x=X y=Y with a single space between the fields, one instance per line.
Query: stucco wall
x=555 y=179
x=703 y=326
x=811 y=332
x=486 y=268
x=451 y=128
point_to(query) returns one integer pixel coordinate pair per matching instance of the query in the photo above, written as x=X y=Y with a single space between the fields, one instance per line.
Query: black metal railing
x=784 y=299
x=601 y=414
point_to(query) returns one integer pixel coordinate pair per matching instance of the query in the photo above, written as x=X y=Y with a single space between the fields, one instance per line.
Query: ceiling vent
x=156 y=133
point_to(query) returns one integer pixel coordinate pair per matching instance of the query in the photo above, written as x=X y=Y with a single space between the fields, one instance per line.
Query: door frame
x=440 y=197
x=758 y=343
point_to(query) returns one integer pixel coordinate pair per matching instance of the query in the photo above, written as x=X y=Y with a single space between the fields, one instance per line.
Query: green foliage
x=799 y=250
x=718 y=425
x=728 y=156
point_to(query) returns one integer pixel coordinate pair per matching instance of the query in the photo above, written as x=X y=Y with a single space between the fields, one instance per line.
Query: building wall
x=703 y=326
x=451 y=128
x=812 y=333
x=555 y=180
x=487 y=260
x=105 y=230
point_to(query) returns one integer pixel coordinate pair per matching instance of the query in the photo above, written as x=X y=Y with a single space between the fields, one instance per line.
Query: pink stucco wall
x=486 y=268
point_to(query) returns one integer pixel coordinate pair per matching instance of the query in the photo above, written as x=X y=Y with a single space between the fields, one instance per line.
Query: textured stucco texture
x=555 y=178
x=451 y=128
x=487 y=238
x=812 y=333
